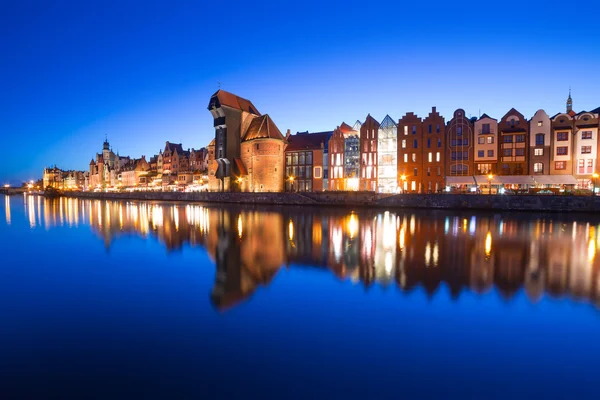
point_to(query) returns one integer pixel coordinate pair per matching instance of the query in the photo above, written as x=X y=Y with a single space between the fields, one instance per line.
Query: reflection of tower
x=228 y=285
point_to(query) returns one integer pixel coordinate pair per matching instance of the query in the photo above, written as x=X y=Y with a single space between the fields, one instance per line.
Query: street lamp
x=403 y=178
x=291 y=179
x=490 y=176
x=595 y=176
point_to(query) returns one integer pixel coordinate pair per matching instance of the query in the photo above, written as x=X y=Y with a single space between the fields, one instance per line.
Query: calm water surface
x=106 y=299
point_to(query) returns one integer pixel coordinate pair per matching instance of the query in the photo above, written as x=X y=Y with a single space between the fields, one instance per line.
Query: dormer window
x=540 y=123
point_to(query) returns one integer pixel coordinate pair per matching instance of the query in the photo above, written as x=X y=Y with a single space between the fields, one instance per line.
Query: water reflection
x=545 y=255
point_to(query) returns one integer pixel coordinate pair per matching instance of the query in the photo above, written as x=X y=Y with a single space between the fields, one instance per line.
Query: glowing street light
x=595 y=176
x=490 y=176
x=291 y=179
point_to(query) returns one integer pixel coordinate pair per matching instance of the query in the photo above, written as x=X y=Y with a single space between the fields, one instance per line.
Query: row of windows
x=429 y=157
x=484 y=140
x=416 y=143
x=429 y=129
x=299 y=158
x=481 y=153
x=517 y=152
x=460 y=142
x=516 y=138
x=459 y=155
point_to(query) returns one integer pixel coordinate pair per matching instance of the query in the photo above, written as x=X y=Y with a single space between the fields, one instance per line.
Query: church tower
x=569 y=103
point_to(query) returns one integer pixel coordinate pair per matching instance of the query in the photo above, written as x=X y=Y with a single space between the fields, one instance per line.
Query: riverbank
x=547 y=203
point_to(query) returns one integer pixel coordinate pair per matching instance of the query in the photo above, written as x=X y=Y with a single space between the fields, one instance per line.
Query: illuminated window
x=318 y=173
x=540 y=123
x=490 y=139
x=560 y=165
x=538 y=168
x=406 y=130
x=430 y=157
x=414 y=157
x=405 y=158
x=437 y=156
x=403 y=143
x=538 y=152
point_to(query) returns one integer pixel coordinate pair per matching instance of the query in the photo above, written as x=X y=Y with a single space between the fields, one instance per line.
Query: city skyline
x=144 y=80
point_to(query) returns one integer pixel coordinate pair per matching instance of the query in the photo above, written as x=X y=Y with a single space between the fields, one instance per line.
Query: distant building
x=434 y=141
x=410 y=153
x=369 y=132
x=459 y=150
x=304 y=161
x=387 y=156
x=513 y=131
x=539 y=144
x=248 y=147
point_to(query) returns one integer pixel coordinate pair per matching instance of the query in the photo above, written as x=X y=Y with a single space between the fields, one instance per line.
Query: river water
x=108 y=299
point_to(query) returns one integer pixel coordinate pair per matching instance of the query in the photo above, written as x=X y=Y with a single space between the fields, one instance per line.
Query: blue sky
x=142 y=72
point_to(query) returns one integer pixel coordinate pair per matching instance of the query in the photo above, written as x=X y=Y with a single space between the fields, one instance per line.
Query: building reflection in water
x=7 y=209
x=541 y=256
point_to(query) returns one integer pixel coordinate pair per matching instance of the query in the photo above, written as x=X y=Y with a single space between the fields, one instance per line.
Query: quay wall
x=546 y=203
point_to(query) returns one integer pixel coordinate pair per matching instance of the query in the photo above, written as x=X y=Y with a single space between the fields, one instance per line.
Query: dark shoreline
x=527 y=203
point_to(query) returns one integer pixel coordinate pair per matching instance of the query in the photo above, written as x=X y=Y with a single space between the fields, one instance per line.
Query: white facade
x=387 y=156
x=585 y=151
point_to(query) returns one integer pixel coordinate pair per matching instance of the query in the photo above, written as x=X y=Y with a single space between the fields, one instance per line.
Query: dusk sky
x=142 y=72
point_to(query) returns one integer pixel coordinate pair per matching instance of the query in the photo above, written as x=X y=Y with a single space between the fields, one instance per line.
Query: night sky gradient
x=142 y=72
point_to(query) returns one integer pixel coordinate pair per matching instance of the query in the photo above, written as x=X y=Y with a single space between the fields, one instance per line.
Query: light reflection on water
x=545 y=254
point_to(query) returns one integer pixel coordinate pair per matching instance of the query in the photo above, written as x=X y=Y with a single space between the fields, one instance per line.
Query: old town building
x=485 y=153
x=434 y=141
x=387 y=156
x=410 y=153
x=352 y=155
x=236 y=121
x=336 y=159
x=561 y=162
x=459 y=150
x=585 y=151
x=262 y=157
x=368 y=154
x=304 y=161
x=539 y=144
x=513 y=137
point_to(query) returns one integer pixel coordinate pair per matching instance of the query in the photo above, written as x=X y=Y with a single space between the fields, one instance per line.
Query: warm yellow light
x=239 y=226
x=591 y=250
x=239 y=179
x=7 y=185
x=291 y=179
x=488 y=244
x=402 y=238
x=403 y=177
x=595 y=175
x=291 y=230
x=490 y=176
x=352 y=226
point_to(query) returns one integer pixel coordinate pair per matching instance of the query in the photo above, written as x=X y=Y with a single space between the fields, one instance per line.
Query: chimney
x=433 y=110
x=288 y=134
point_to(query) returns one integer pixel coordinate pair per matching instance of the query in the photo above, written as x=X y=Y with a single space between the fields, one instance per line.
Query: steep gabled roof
x=223 y=98
x=308 y=141
x=212 y=143
x=486 y=116
x=344 y=127
x=262 y=128
x=596 y=110
x=387 y=122
x=357 y=125
x=174 y=146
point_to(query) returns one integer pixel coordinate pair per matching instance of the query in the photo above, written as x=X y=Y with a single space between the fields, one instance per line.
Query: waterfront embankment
x=546 y=203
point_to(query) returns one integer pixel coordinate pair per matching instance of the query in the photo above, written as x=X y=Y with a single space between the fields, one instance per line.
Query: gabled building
x=232 y=116
x=459 y=147
x=369 y=132
x=434 y=142
x=561 y=162
x=387 y=156
x=262 y=157
x=410 y=153
x=344 y=157
x=486 y=145
x=304 y=161
x=514 y=144
x=585 y=152
x=539 y=143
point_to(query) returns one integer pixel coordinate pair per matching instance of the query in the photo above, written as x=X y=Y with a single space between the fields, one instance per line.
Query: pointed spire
x=569 y=102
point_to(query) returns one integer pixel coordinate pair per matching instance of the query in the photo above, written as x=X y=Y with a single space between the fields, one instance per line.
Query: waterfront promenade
x=547 y=203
